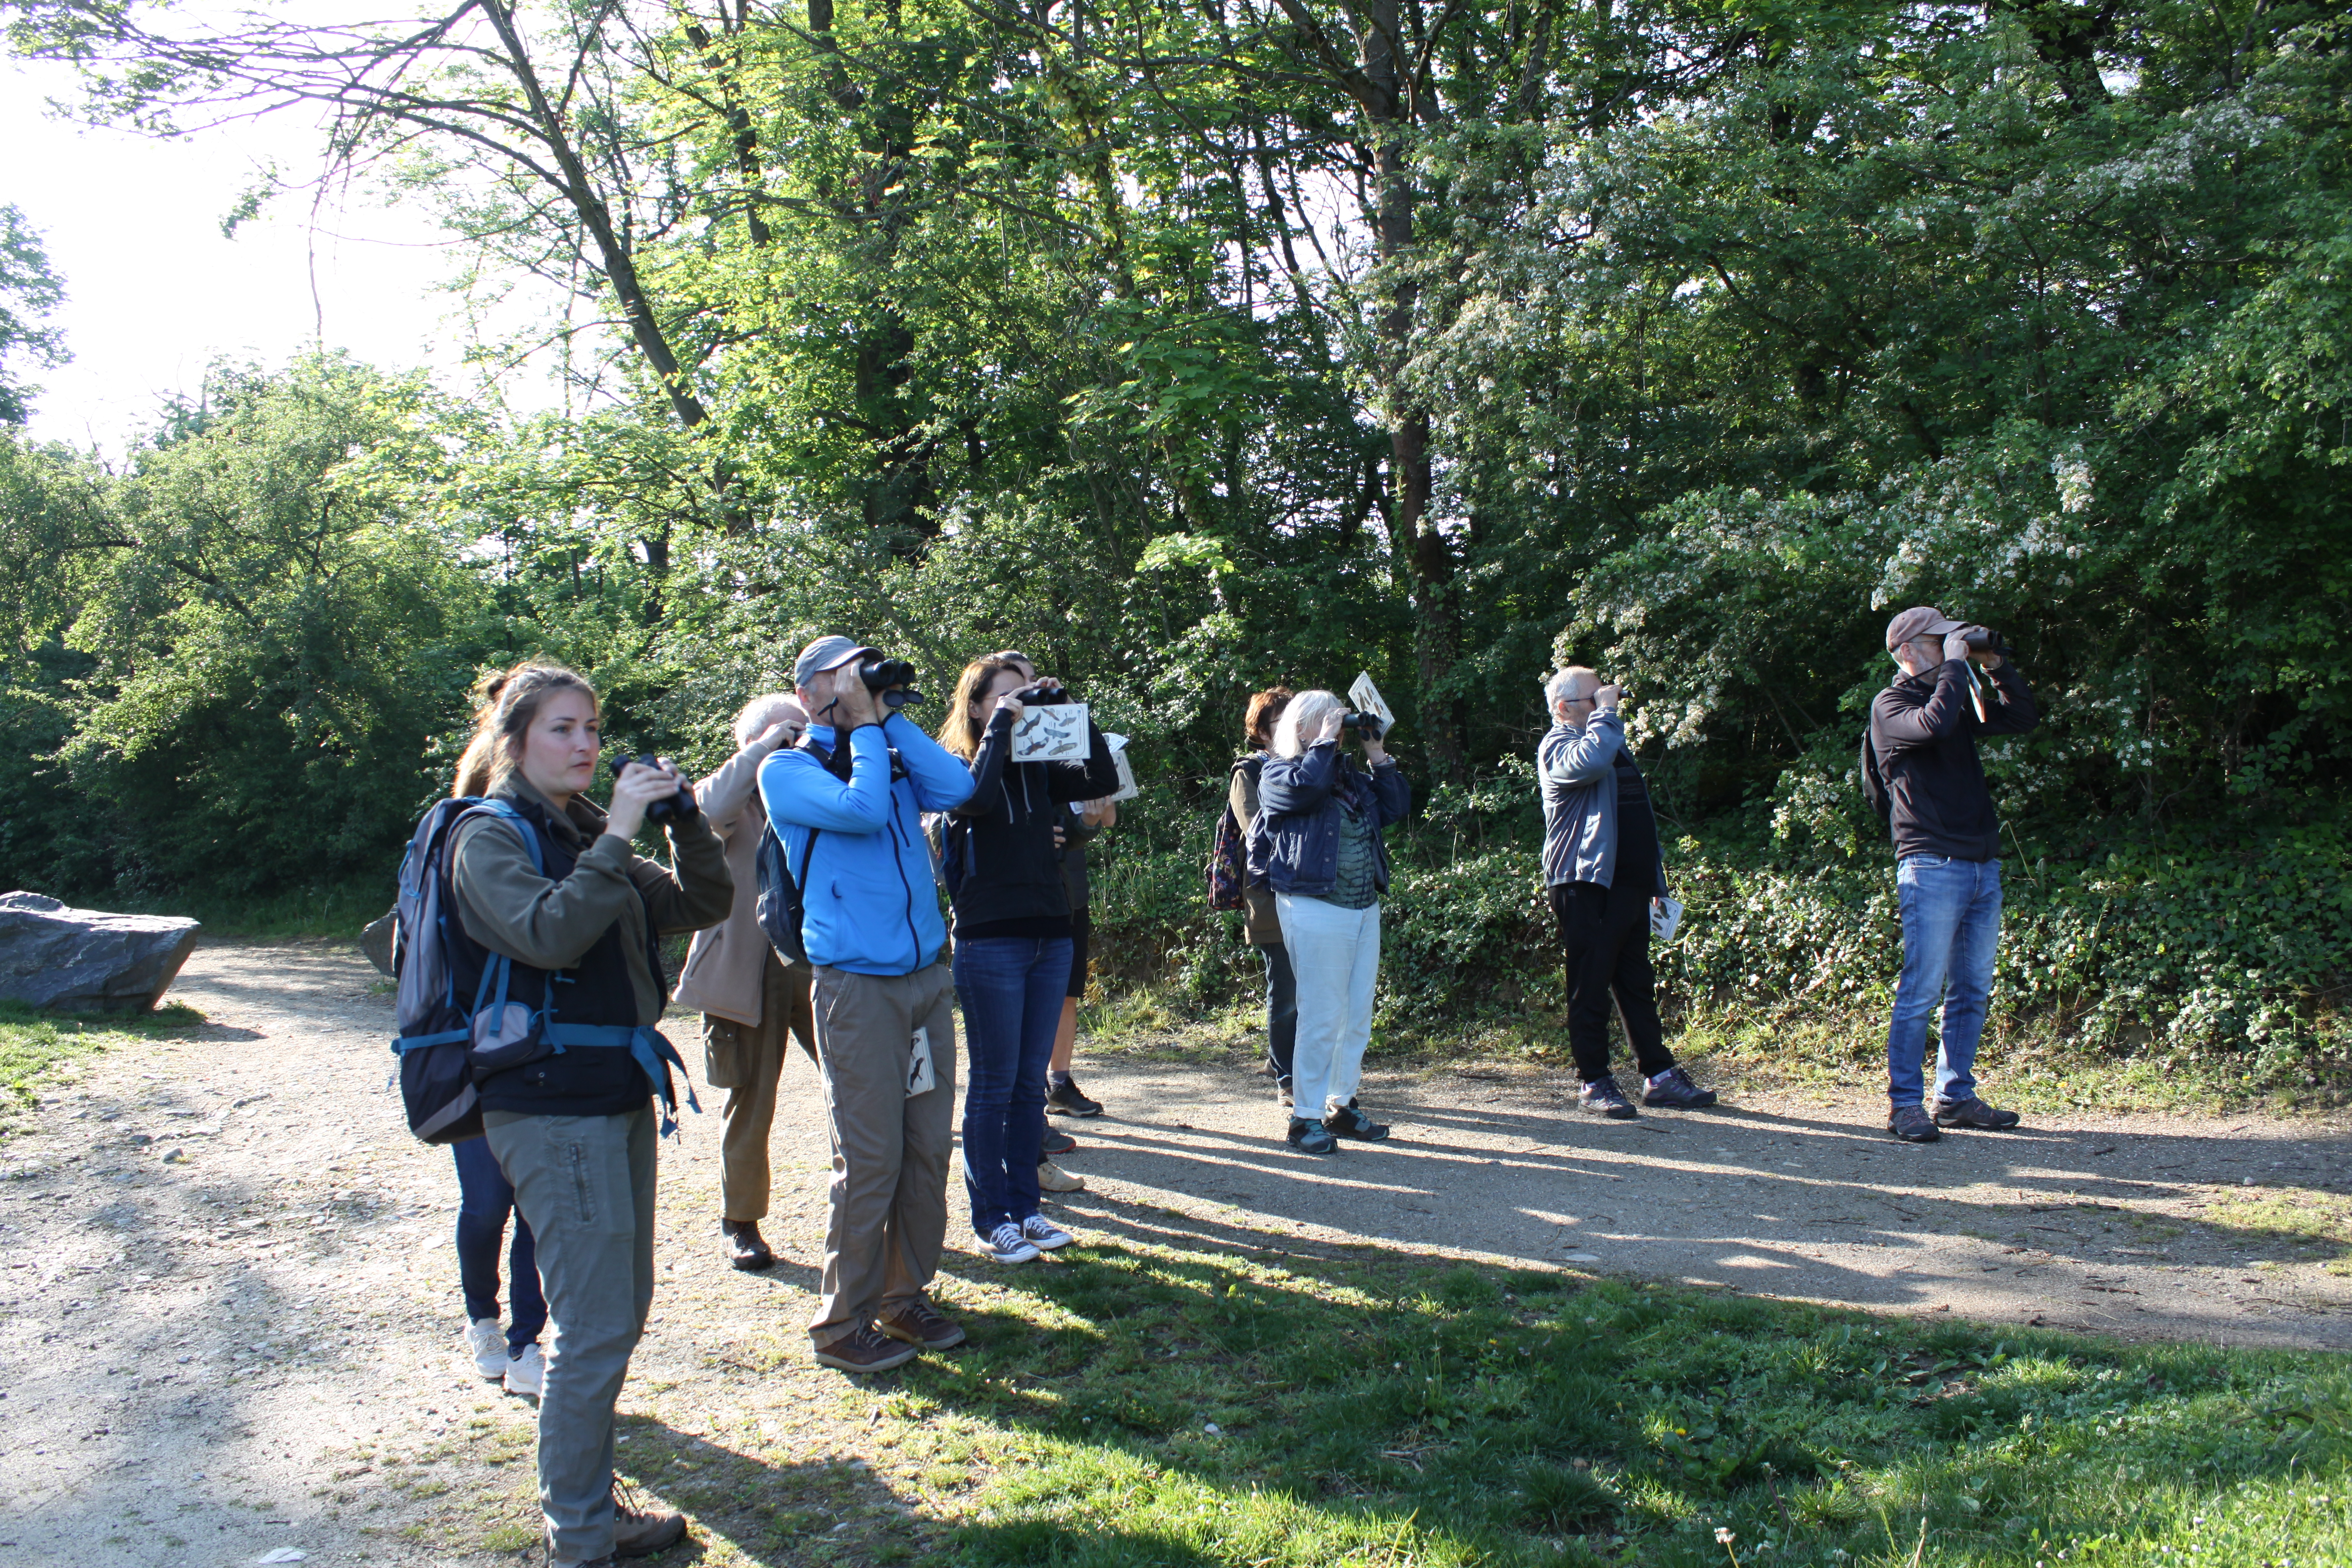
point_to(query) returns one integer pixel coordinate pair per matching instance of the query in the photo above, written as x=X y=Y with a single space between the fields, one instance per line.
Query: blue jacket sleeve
x=941 y=779
x=799 y=792
x=1588 y=755
x=1292 y=784
x=1392 y=792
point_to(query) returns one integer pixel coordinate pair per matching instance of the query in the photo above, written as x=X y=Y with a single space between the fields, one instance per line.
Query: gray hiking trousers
x=585 y=1183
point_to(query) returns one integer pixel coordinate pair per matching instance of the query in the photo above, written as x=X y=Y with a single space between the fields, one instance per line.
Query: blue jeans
x=1011 y=990
x=1951 y=932
x=1281 y=1009
x=484 y=1202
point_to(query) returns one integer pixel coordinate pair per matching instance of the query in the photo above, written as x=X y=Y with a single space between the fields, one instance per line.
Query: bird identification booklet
x=1056 y=734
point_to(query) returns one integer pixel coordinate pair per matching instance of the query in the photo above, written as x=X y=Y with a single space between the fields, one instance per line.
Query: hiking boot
x=1973 y=1112
x=1349 y=1122
x=1051 y=1178
x=865 y=1351
x=1056 y=1144
x=527 y=1373
x=1044 y=1234
x=1673 y=1089
x=1602 y=1097
x=1311 y=1137
x=745 y=1249
x=920 y=1323
x=486 y=1344
x=639 y=1528
x=1912 y=1125
x=1066 y=1098
x=1005 y=1243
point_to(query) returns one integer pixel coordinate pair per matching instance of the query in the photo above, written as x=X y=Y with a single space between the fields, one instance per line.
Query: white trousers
x=1335 y=954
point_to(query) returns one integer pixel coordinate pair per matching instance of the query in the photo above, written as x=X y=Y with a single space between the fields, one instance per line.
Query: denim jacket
x=1294 y=845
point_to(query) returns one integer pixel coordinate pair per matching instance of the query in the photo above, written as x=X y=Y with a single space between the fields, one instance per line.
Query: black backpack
x=783 y=905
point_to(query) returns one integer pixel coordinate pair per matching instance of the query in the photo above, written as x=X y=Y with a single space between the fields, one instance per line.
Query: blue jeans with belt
x=485 y=1200
x=1951 y=935
x=1011 y=989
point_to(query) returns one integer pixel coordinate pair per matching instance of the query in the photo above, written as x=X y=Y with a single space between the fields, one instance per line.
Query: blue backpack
x=447 y=1047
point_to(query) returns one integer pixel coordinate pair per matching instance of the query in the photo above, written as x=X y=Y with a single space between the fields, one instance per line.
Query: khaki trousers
x=747 y=1060
x=889 y=1196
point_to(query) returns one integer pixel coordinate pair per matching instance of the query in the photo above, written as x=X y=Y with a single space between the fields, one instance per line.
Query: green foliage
x=29 y=289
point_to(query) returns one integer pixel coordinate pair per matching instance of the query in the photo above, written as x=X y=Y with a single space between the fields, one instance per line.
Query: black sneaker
x=1311 y=1137
x=1056 y=1144
x=1602 y=1097
x=1973 y=1112
x=1349 y=1122
x=1674 y=1088
x=1912 y=1124
x=1065 y=1097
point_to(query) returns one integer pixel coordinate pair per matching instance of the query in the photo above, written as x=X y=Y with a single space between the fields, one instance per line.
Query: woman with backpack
x=1012 y=942
x=573 y=1129
x=1316 y=845
x=1261 y=926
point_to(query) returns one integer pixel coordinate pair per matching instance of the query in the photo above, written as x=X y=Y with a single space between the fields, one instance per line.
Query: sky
x=154 y=292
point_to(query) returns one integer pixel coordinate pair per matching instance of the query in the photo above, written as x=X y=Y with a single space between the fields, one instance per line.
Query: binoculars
x=676 y=808
x=893 y=678
x=1370 y=723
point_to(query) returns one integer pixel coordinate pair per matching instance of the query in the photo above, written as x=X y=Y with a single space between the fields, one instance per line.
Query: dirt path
x=229 y=1312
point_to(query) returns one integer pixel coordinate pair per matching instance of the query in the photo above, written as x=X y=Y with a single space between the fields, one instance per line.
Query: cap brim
x=851 y=657
x=1941 y=628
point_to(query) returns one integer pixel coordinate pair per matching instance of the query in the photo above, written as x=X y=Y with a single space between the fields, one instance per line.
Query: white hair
x=1305 y=712
x=765 y=710
x=1569 y=683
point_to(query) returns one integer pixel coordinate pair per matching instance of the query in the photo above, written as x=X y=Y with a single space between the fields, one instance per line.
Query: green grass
x=1373 y=1411
x=337 y=911
x=37 y=1048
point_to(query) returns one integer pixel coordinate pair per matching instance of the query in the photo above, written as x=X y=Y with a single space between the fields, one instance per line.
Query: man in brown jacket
x=747 y=996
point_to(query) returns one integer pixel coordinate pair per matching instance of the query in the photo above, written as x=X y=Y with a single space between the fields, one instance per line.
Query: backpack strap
x=500 y=965
x=645 y=1043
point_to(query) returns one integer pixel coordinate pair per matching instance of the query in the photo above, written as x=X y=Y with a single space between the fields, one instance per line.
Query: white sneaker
x=527 y=1372
x=486 y=1344
x=1006 y=1243
x=1044 y=1232
x=1051 y=1178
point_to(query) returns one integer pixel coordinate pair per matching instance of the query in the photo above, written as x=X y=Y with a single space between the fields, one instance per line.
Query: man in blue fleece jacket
x=847 y=803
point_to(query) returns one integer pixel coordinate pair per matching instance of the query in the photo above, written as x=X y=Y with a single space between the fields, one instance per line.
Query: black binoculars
x=674 y=808
x=893 y=678
x=1370 y=723
x=1040 y=696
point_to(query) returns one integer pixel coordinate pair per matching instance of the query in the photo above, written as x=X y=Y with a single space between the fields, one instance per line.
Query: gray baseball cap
x=1920 y=621
x=826 y=653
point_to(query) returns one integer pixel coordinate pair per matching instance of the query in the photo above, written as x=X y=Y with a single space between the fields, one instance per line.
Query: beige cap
x=1920 y=621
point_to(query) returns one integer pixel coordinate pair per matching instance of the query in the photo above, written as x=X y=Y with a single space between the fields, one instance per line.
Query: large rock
x=86 y=961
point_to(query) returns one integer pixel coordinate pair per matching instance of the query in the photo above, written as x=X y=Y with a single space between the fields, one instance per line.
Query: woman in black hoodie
x=1011 y=942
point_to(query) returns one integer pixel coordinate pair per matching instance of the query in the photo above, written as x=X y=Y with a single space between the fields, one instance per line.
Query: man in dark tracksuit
x=1604 y=871
x=1923 y=744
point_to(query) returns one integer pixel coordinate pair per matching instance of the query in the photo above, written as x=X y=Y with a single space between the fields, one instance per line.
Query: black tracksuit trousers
x=1607 y=947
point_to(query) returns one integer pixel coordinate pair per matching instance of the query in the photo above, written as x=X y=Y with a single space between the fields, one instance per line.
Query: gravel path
x=228 y=1319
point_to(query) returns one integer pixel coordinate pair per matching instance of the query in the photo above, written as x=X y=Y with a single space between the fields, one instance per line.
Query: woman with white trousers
x=1316 y=845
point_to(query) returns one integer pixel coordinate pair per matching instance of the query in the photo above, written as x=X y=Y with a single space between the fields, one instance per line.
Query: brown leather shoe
x=865 y=1351
x=920 y=1324
x=745 y=1249
x=639 y=1528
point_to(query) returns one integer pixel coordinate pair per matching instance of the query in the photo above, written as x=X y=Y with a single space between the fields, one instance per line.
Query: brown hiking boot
x=639 y=1528
x=920 y=1324
x=865 y=1351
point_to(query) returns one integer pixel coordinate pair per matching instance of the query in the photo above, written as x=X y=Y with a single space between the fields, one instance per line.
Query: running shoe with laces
x=1912 y=1124
x=1973 y=1112
x=640 y=1527
x=917 y=1322
x=1054 y=1143
x=486 y=1344
x=868 y=1350
x=1006 y=1243
x=1602 y=1097
x=1311 y=1137
x=1347 y=1122
x=1673 y=1089
x=1044 y=1234
x=526 y=1372
x=1065 y=1097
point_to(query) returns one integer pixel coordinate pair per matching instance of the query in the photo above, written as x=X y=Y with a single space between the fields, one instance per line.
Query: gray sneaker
x=1912 y=1124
